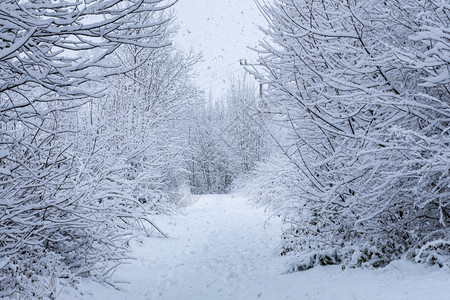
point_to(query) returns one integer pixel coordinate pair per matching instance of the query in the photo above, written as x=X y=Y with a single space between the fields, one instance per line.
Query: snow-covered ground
x=222 y=248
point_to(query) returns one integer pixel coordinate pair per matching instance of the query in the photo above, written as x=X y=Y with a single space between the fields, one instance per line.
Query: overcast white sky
x=222 y=30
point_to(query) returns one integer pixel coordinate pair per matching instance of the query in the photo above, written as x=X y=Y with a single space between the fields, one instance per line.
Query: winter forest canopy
x=103 y=126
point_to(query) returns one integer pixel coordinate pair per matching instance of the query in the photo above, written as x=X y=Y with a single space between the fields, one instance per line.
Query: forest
x=103 y=128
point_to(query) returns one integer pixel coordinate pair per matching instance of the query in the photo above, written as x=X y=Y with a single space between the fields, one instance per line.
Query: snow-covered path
x=219 y=250
x=224 y=249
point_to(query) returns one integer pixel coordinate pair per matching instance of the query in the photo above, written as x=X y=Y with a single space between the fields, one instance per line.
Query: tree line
x=360 y=93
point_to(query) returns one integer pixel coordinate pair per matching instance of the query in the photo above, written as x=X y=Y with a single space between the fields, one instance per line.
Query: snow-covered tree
x=364 y=88
x=227 y=138
x=211 y=162
x=247 y=128
x=144 y=116
x=59 y=219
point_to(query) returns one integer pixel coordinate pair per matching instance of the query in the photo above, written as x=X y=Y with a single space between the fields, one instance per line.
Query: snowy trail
x=223 y=249
x=220 y=249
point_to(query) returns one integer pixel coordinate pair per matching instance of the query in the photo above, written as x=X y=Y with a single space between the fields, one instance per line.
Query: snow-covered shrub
x=273 y=183
x=32 y=274
x=72 y=215
x=364 y=87
x=64 y=211
x=435 y=252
